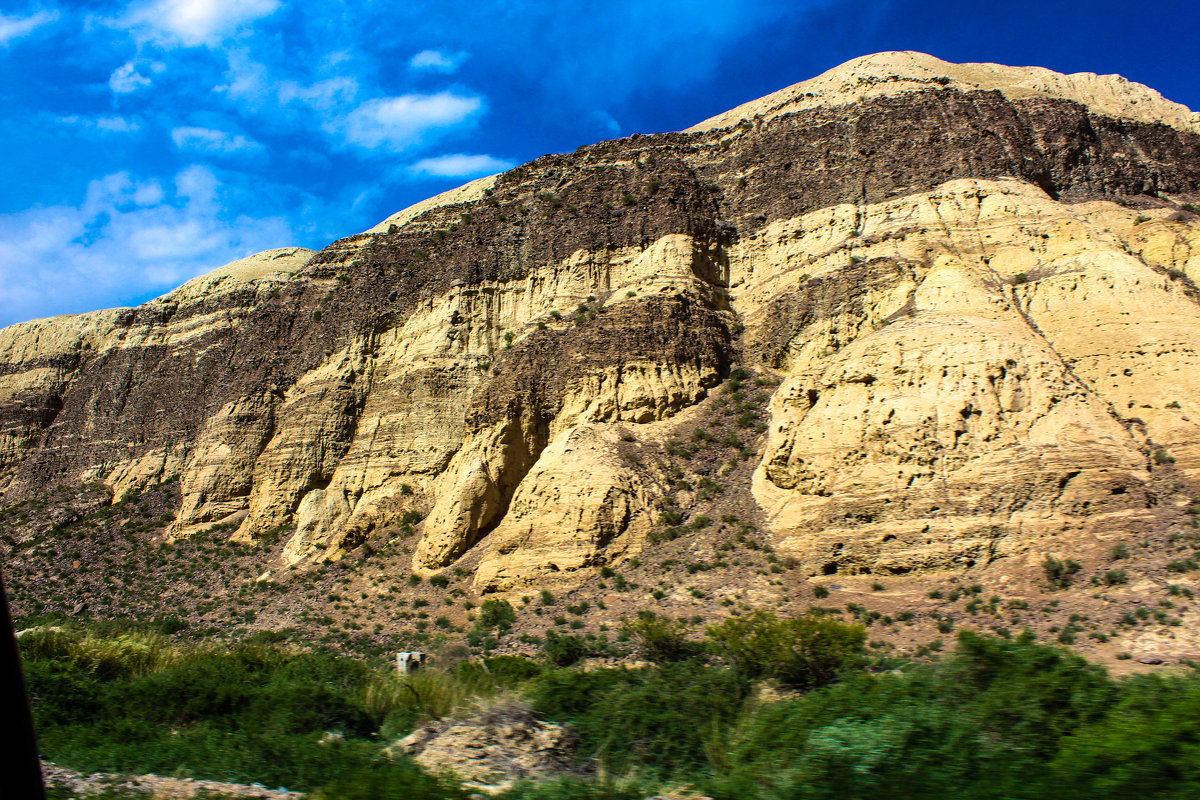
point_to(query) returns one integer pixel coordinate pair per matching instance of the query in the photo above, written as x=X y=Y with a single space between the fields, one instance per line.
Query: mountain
x=906 y=325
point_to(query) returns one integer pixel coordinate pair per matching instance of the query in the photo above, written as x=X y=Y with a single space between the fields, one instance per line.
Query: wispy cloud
x=14 y=27
x=104 y=123
x=195 y=22
x=323 y=95
x=126 y=79
x=460 y=165
x=210 y=141
x=127 y=237
x=362 y=105
x=399 y=123
x=437 y=61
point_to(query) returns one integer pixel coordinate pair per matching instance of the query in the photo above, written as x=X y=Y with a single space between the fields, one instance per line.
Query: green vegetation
x=1162 y=458
x=135 y=704
x=1059 y=573
x=660 y=639
x=996 y=717
x=802 y=652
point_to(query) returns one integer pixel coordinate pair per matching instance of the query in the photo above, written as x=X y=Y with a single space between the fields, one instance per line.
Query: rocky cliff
x=908 y=318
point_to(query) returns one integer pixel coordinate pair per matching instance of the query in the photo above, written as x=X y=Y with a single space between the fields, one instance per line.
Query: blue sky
x=143 y=143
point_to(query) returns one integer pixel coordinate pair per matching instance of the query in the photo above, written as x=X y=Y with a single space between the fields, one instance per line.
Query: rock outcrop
x=973 y=285
x=493 y=749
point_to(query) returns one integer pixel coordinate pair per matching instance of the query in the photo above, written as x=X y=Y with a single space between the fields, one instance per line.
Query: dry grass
x=128 y=655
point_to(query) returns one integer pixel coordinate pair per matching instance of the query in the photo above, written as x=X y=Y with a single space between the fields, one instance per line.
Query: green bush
x=657 y=720
x=565 y=650
x=803 y=652
x=660 y=639
x=389 y=780
x=1059 y=573
x=983 y=724
x=1146 y=745
x=251 y=714
x=497 y=614
x=1113 y=577
x=572 y=789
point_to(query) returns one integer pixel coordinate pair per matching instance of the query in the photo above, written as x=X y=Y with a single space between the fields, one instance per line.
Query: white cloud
x=401 y=122
x=196 y=22
x=208 y=140
x=247 y=81
x=325 y=95
x=105 y=123
x=460 y=165
x=126 y=79
x=128 y=238
x=198 y=184
x=14 y=27
x=110 y=124
x=437 y=61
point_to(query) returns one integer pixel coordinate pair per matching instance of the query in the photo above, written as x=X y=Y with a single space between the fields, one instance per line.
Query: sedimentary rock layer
x=973 y=283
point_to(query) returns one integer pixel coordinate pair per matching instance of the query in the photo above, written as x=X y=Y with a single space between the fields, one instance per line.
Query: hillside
x=913 y=339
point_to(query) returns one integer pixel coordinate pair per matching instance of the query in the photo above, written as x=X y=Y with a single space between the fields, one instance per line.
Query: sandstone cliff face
x=976 y=295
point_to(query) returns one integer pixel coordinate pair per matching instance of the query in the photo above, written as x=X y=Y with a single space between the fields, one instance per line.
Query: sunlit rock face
x=970 y=284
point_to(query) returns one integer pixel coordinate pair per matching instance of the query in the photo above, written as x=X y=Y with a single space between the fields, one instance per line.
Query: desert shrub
x=1059 y=573
x=496 y=614
x=1113 y=577
x=563 y=650
x=660 y=638
x=803 y=651
x=985 y=723
x=657 y=720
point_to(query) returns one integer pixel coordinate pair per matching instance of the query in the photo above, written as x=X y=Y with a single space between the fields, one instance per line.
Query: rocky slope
x=956 y=303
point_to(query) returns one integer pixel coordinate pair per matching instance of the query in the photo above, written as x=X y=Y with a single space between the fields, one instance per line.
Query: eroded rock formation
x=972 y=284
